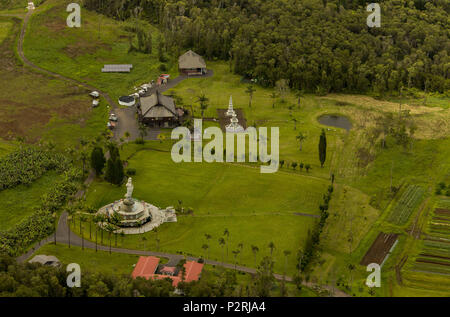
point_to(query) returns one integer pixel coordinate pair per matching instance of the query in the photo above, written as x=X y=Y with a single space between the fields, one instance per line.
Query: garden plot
x=380 y=249
x=408 y=202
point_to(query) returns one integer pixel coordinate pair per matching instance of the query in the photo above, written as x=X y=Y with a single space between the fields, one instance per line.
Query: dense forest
x=317 y=45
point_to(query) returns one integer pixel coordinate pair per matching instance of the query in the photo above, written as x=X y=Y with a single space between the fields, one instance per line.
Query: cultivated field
x=405 y=206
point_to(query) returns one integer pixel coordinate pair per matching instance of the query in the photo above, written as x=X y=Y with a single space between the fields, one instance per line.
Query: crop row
x=27 y=164
x=407 y=203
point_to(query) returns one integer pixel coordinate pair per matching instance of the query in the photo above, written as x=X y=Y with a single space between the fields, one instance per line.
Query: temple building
x=159 y=111
x=190 y=63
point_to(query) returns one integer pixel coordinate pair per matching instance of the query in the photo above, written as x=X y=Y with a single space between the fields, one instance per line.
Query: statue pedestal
x=128 y=205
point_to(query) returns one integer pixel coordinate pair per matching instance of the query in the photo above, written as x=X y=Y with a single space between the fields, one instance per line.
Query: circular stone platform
x=136 y=216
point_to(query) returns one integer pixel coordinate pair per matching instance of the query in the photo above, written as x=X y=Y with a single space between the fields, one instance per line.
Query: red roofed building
x=147 y=267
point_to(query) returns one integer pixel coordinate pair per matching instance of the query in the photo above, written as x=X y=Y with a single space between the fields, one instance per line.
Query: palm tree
x=205 y=247
x=82 y=219
x=271 y=247
x=203 y=101
x=110 y=229
x=250 y=90
x=295 y=123
x=241 y=246
x=143 y=240
x=101 y=219
x=298 y=94
x=255 y=250
x=222 y=243
x=54 y=224
x=274 y=96
x=227 y=234
x=84 y=158
x=69 y=218
x=142 y=130
x=286 y=254
x=96 y=220
x=301 y=137
x=235 y=253
x=300 y=256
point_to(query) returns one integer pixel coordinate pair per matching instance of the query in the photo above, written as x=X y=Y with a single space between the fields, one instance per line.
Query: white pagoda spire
x=230 y=110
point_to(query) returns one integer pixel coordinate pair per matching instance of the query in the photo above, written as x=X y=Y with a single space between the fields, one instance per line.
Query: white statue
x=130 y=188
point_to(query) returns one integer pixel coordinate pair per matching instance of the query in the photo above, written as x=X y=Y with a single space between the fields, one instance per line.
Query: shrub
x=131 y=171
x=163 y=67
x=139 y=141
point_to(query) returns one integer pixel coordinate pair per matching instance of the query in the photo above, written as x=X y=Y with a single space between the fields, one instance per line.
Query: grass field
x=18 y=203
x=47 y=108
x=81 y=52
x=223 y=196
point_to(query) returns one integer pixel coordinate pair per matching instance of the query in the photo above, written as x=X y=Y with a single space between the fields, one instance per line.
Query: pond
x=337 y=121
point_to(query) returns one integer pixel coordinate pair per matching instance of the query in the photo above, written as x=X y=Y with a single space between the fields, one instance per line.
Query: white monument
x=137 y=216
x=230 y=111
x=234 y=126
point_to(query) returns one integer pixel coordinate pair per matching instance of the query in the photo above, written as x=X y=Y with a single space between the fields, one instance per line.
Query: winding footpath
x=62 y=233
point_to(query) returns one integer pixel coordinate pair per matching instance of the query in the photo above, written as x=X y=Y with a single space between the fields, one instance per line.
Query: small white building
x=30 y=6
x=48 y=260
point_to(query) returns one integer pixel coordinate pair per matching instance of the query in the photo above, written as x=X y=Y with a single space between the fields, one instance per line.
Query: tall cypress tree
x=322 y=148
x=110 y=171
x=118 y=171
x=98 y=160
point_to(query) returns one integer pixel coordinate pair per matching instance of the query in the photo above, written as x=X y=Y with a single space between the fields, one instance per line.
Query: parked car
x=113 y=117
x=94 y=94
x=111 y=124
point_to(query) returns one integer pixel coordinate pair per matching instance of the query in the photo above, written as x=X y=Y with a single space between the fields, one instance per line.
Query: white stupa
x=230 y=111
x=234 y=126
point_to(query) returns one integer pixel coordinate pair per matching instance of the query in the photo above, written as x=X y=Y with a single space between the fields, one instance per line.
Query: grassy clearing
x=46 y=107
x=81 y=52
x=18 y=203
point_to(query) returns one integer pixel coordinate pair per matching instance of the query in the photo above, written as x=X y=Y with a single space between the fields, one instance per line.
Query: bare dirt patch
x=30 y=100
x=379 y=248
x=83 y=47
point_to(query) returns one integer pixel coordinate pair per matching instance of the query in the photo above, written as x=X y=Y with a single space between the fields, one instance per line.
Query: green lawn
x=18 y=203
x=223 y=196
x=100 y=261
